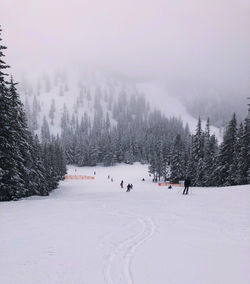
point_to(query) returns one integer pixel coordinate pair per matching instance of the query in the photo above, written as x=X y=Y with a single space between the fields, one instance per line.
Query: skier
x=170 y=186
x=94 y=173
x=108 y=177
x=187 y=183
x=128 y=188
x=131 y=186
x=143 y=179
x=121 y=184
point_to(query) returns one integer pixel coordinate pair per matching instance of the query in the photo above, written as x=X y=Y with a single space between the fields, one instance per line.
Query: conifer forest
x=27 y=167
x=109 y=124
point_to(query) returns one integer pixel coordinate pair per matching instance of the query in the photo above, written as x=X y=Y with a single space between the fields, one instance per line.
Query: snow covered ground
x=93 y=232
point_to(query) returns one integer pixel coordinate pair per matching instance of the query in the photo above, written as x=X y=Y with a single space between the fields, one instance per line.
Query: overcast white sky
x=198 y=40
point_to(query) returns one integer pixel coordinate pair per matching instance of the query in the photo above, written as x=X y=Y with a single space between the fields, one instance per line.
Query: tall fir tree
x=227 y=153
x=178 y=160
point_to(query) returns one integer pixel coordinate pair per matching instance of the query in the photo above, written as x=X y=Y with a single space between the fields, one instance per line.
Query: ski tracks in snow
x=117 y=268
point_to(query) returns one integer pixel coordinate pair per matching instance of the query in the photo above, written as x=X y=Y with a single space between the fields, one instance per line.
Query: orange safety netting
x=78 y=177
x=168 y=184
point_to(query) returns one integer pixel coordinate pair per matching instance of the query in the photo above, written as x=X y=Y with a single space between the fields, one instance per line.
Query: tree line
x=126 y=133
x=114 y=124
x=129 y=131
x=138 y=134
x=118 y=129
x=27 y=167
x=207 y=163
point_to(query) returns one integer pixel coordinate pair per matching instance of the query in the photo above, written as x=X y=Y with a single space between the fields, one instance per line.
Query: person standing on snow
x=187 y=183
x=121 y=184
x=128 y=188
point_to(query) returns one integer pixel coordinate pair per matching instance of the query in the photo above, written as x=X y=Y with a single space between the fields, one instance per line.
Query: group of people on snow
x=187 y=184
x=129 y=186
x=110 y=179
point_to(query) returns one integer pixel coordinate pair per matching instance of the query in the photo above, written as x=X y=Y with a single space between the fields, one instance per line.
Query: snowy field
x=93 y=232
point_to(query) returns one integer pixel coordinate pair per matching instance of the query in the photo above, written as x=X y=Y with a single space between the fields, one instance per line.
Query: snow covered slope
x=77 y=90
x=171 y=105
x=93 y=232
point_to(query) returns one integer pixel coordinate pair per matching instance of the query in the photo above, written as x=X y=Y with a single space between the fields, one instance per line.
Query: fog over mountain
x=197 y=49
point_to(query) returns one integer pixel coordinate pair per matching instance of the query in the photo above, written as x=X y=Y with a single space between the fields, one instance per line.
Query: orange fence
x=168 y=184
x=78 y=177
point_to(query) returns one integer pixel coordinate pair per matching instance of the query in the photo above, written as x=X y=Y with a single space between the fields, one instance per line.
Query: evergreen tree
x=177 y=160
x=153 y=165
x=38 y=170
x=64 y=118
x=52 y=111
x=9 y=177
x=28 y=112
x=45 y=132
x=12 y=181
x=22 y=140
x=210 y=161
x=23 y=168
x=227 y=154
x=34 y=115
x=243 y=153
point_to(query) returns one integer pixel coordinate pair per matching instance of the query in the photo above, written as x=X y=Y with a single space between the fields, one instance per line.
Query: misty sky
x=204 y=41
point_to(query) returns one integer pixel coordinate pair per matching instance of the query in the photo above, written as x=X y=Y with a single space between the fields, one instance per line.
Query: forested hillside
x=208 y=163
x=104 y=120
x=100 y=120
x=27 y=167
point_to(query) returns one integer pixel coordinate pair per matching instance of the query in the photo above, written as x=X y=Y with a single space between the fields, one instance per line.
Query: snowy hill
x=171 y=105
x=92 y=231
x=77 y=90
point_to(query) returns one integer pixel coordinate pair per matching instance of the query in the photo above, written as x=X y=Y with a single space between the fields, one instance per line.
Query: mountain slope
x=92 y=231
x=77 y=90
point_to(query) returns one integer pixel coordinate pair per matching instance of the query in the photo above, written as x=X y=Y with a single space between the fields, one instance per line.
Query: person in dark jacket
x=187 y=183
x=128 y=188
x=121 y=184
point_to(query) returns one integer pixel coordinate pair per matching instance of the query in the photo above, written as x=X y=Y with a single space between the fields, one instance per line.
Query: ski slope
x=169 y=104
x=93 y=232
